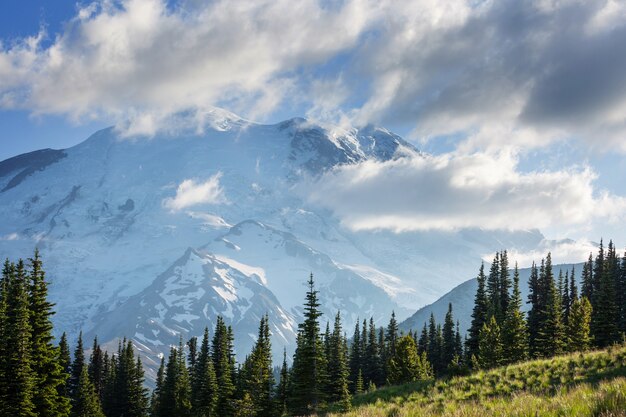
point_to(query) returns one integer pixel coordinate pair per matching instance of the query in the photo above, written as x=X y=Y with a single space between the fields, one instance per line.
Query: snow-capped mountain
x=151 y=237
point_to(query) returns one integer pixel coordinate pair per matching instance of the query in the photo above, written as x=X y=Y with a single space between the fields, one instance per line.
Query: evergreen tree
x=514 y=331
x=86 y=402
x=260 y=378
x=564 y=295
x=391 y=340
x=534 y=314
x=356 y=356
x=48 y=372
x=449 y=349
x=479 y=314
x=587 y=279
x=551 y=333
x=65 y=361
x=222 y=353
x=109 y=395
x=192 y=356
x=96 y=368
x=338 y=370
x=3 y=348
x=77 y=367
x=458 y=342
x=308 y=377
x=282 y=388
x=505 y=285
x=490 y=345
x=621 y=291
x=372 y=370
x=382 y=354
x=578 y=329
x=18 y=377
x=127 y=395
x=434 y=345
x=155 y=401
x=407 y=365
x=494 y=289
x=204 y=388
x=175 y=399
x=604 y=316
x=359 y=386
x=573 y=289
x=422 y=345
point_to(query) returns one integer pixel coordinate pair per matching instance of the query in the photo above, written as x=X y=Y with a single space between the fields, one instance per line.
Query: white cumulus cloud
x=191 y=193
x=456 y=191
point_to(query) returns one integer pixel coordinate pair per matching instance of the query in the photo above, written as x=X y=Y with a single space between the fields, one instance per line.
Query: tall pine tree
x=479 y=314
x=514 y=330
x=308 y=374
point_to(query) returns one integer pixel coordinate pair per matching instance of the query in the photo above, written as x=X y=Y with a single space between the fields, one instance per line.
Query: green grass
x=590 y=384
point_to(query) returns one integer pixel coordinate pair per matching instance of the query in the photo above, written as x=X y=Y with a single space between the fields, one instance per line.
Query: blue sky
x=534 y=89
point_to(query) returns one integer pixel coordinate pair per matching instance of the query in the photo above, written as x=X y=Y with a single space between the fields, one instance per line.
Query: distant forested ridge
x=200 y=377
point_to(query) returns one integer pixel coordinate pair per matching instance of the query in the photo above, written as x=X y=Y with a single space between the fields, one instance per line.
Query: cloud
x=497 y=73
x=192 y=193
x=457 y=191
x=142 y=56
x=563 y=251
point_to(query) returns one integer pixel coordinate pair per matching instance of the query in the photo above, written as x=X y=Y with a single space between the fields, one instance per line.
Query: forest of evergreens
x=201 y=377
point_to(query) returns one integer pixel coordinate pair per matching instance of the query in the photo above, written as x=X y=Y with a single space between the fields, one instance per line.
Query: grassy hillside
x=590 y=384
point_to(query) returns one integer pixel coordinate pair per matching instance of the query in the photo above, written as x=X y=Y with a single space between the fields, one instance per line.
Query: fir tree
x=65 y=362
x=359 y=386
x=604 y=317
x=155 y=401
x=551 y=333
x=587 y=279
x=49 y=375
x=338 y=371
x=479 y=314
x=564 y=295
x=260 y=378
x=4 y=282
x=19 y=380
x=86 y=402
x=391 y=340
x=127 y=395
x=407 y=365
x=494 y=289
x=534 y=314
x=490 y=345
x=356 y=356
x=282 y=387
x=435 y=342
x=578 y=329
x=514 y=331
x=372 y=371
x=96 y=368
x=505 y=285
x=422 y=345
x=192 y=356
x=573 y=289
x=449 y=349
x=308 y=377
x=204 y=388
x=77 y=366
x=175 y=399
x=222 y=352
x=458 y=342
x=621 y=291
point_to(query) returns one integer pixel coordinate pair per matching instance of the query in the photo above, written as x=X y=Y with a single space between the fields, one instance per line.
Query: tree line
x=201 y=378
x=561 y=318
